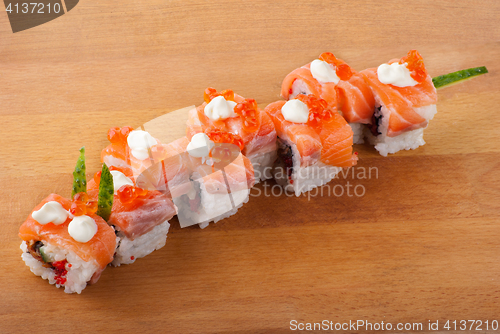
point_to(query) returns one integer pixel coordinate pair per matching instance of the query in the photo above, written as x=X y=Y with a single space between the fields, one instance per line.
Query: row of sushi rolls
x=303 y=141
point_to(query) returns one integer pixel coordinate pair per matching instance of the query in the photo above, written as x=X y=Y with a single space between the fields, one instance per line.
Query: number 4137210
x=33 y=8
x=471 y=325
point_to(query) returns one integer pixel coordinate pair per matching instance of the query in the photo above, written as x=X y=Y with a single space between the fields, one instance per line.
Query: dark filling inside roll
x=34 y=249
x=376 y=121
x=59 y=267
x=119 y=240
x=285 y=156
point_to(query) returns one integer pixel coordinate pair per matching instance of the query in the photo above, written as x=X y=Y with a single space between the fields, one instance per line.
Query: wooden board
x=423 y=243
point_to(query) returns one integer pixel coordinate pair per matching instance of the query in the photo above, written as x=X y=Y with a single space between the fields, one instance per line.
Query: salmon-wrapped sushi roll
x=220 y=177
x=140 y=217
x=234 y=114
x=146 y=157
x=405 y=102
x=66 y=243
x=314 y=143
x=334 y=81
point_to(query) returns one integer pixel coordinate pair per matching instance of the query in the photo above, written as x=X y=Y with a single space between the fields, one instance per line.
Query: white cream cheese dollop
x=119 y=180
x=139 y=142
x=51 y=212
x=200 y=145
x=295 y=111
x=395 y=74
x=82 y=228
x=219 y=109
x=323 y=72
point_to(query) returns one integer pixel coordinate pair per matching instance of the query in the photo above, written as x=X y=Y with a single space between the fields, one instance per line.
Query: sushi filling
x=285 y=159
x=36 y=249
x=59 y=266
x=298 y=87
x=376 y=133
x=376 y=122
x=300 y=179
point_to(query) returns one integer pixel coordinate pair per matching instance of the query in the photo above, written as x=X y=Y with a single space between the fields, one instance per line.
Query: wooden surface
x=422 y=244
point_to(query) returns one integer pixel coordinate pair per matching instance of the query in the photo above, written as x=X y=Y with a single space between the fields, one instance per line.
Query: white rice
x=299 y=87
x=262 y=165
x=79 y=273
x=409 y=140
x=130 y=250
x=213 y=207
x=304 y=178
x=358 y=132
x=240 y=197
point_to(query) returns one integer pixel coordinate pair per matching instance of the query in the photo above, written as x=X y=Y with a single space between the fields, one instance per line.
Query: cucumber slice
x=106 y=193
x=451 y=78
x=45 y=257
x=79 y=177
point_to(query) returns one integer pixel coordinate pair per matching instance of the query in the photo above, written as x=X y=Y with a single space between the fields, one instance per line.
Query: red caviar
x=97 y=177
x=114 y=135
x=211 y=93
x=132 y=258
x=221 y=136
x=91 y=207
x=415 y=65
x=318 y=110
x=117 y=135
x=247 y=110
x=60 y=271
x=81 y=197
x=81 y=205
x=128 y=193
x=343 y=70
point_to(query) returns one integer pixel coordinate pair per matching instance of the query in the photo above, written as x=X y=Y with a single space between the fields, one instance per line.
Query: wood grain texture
x=422 y=243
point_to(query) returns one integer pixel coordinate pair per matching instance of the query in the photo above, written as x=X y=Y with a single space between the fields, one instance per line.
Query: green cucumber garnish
x=106 y=192
x=45 y=257
x=79 y=177
x=451 y=78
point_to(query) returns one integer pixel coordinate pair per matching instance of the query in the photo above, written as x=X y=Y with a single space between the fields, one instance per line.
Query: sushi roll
x=138 y=151
x=405 y=102
x=66 y=243
x=139 y=216
x=220 y=177
x=334 y=81
x=234 y=114
x=117 y=153
x=314 y=143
